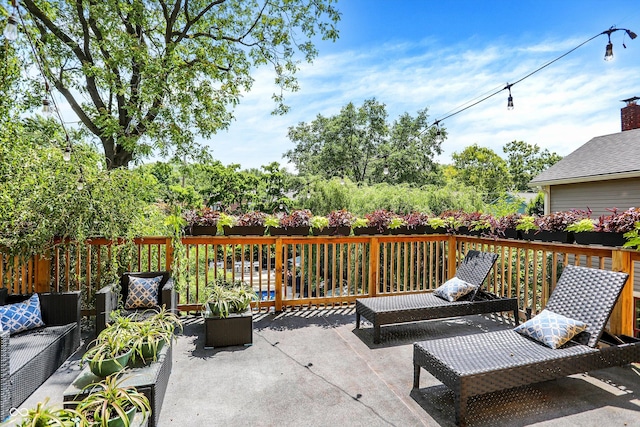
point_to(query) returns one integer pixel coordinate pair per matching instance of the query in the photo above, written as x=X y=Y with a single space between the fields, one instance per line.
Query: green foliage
x=358 y=143
x=226 y=297
x=582 y=225
x=527 y=223
x=633 y=237
x=482 y=169
x=526 y=161
x=151 y=71
x=536 y=206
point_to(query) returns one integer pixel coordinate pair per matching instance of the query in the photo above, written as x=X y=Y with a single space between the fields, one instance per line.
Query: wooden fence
x=303 y=271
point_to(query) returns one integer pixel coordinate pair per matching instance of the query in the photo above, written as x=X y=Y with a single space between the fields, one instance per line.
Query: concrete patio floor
x=313 y=368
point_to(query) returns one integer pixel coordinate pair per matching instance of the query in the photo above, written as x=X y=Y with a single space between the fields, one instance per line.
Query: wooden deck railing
x=302 y=271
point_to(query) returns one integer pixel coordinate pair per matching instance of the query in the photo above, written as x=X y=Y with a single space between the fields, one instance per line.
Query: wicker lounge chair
x=482 y=363
x=474 y=269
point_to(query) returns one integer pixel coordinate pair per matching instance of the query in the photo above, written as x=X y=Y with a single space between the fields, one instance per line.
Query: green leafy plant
x=436 y=222
x=319 y=222
x=109 y=351
x=109 y=399
x=341 y=218
x=633 y=237
x=360 y=222
x=527 y=223
x=44 y=415
x=226 y=297
x=397 y=222
x=582 y=225
x=272 y=221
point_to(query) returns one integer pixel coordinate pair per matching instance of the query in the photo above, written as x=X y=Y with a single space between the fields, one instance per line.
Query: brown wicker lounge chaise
x=482 y=363
x=473 y=269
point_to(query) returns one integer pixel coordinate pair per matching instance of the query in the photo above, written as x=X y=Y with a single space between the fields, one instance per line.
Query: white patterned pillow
x=551 y=329
x=143 y=292
x=453 y=289
x=21 y=316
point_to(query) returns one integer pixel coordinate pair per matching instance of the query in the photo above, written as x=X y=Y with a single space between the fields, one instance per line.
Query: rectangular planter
x=236 y=329
x=599 y=238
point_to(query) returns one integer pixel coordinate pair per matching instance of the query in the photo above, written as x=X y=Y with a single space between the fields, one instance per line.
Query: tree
x=482 y=168
x=525 y=161
x=359 y=144
x=145 y=76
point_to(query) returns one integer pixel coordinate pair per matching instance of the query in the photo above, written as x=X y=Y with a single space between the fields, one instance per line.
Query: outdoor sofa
x=476 y=364
x=28 y=358
x=108 y=299
x=474 y=268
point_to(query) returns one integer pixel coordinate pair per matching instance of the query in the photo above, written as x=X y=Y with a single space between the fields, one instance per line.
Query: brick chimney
x=630 y=115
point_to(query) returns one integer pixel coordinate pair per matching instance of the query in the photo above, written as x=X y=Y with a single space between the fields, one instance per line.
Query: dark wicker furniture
x=28 y=358
x=107 y=299
x=477 y=364
x=474 y=269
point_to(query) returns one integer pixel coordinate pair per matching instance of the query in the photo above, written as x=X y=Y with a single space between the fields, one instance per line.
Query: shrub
x=341 y=218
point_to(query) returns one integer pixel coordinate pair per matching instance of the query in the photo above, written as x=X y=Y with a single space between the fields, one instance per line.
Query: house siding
x=596 y=195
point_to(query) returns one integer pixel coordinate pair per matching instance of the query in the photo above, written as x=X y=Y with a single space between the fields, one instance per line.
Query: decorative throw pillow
x=21 y=316
x=453 y=289
x=551 y=329
x=143 y=292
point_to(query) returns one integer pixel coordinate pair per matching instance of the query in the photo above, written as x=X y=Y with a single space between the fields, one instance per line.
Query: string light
x=11 y=29
x=510 y=98
x=66 y=155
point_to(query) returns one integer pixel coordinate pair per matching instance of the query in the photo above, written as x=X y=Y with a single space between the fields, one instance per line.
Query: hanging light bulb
x=509 y=99
x=66 y=155
x=46 y=107
x=608 y=53
x=11 y=29
x=80 y=184
x=341 y=180
x=308 y=194
x=385 y=170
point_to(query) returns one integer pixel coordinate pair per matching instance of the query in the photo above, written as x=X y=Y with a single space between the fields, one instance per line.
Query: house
x=603 y=173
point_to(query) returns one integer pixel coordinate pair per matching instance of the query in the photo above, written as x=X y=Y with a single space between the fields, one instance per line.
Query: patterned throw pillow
x=551 y=329
x=21 y=316
x=143 y=292
x=453 y=289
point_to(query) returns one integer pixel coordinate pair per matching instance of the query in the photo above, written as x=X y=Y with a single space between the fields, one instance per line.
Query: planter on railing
x=201 y=230
x=548 y=236
x=289 y=231
x=368 y=231
x=332 y=231
x=599 y=238
x=418 y=229
x=244 y=230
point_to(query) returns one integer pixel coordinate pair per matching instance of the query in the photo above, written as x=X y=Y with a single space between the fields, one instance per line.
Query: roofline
x=582 y=179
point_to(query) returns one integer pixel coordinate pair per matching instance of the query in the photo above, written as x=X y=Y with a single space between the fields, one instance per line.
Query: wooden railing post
x=42 y=271
x=168 y=254
x=452 y=249
x=621 y=320
x=374 y=266
x=279 y=273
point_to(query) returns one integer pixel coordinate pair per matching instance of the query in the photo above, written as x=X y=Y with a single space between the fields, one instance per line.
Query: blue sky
x=439 y=55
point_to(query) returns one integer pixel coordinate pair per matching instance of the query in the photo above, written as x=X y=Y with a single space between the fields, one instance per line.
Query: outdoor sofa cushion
x=143 y=292
x=453 y=289
x=21 y=316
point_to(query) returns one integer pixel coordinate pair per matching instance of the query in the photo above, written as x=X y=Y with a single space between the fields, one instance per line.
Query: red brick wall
x=630 y=116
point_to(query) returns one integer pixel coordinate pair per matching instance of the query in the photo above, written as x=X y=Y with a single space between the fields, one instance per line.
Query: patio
x=313 y=368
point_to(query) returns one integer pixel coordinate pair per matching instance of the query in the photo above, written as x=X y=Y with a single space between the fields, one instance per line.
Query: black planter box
x=437 y=230
x=291 y=231
x=599 y=238
x=236 y=329
x=511 y=233
x=333 y=231
x=548 y=236
x=368 y=231
x=201 y=230
x=244 y=230
x=418 y=229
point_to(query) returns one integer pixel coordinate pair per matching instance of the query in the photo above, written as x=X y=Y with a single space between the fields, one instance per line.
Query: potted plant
x=608 y=230
x=416 y=222
x=377 y=223
x=248 y=224
x=228 y=316
x=109 y=353
x=112 y=404
x=297 y=222
x=436 y=225
x=527 y=226
x=553 y=227
x=202 y=222
x=453 y=220
x=319 y=225
x=359 y=223
x=149 y=336
x=398 y=225
x=339 y=223
x=507 y=226
x=485 y=224
x=46 y=415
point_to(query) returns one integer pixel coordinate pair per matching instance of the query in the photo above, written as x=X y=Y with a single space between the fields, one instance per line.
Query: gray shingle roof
x=603 y=157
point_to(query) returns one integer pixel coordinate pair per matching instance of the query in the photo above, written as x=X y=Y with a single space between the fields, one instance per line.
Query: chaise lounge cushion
x=453 y=289
x=551 y=329
x=21 y=316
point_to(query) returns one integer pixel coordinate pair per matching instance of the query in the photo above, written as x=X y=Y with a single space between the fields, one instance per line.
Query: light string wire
x=509 y=85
